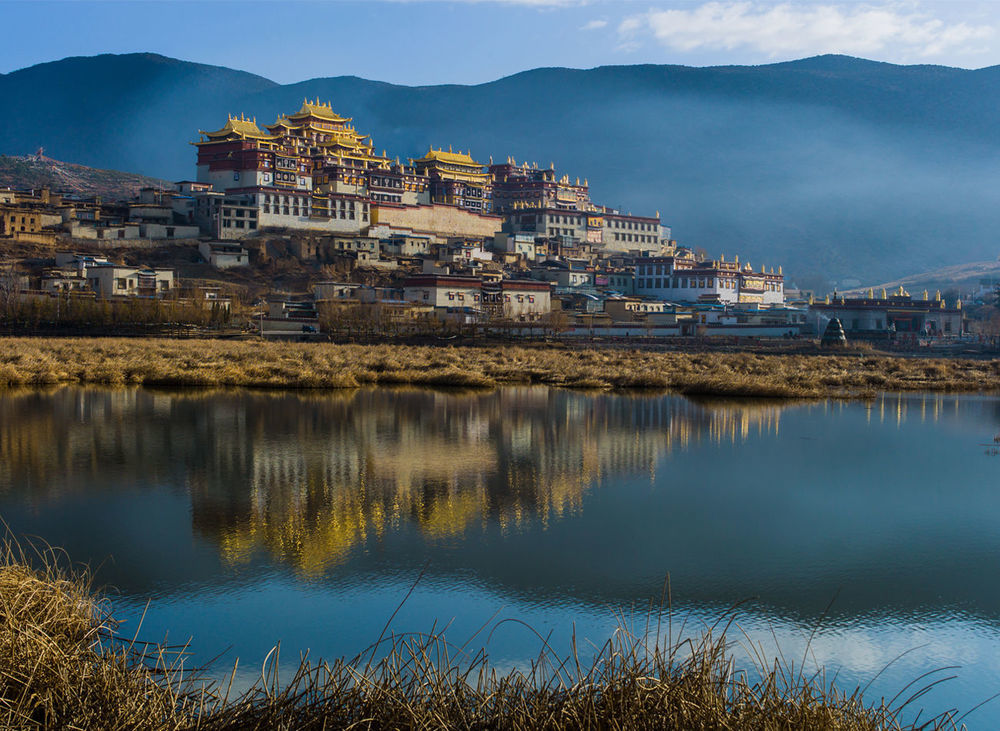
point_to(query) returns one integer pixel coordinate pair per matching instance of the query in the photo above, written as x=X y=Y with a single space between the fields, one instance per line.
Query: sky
x=416 y=42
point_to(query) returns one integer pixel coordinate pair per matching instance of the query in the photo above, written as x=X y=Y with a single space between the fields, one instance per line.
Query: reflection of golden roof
x=450 y=515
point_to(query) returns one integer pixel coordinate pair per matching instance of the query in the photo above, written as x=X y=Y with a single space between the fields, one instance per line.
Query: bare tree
x=10 y=295
x=556 y=322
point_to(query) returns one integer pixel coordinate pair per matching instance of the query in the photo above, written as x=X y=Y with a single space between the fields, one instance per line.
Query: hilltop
x=961 y=277
x=835 y=167
x=37 y=171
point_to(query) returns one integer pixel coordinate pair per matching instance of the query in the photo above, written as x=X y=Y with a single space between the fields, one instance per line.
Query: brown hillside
x=963 y=277
x=37 y=171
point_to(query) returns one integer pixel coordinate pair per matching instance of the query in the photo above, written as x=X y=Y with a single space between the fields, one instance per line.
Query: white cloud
x=786 y=29
x=594 y=25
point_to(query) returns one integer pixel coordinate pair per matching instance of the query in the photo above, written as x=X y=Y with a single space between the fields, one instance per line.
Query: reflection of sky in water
x=252 y=518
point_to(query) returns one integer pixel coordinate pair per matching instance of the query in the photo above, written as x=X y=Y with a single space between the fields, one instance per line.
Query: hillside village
x=303 y=226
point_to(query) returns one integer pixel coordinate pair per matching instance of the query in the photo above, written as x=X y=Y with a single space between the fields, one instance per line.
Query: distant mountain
x=36 y=171
x=835 y=167
x=132 y=112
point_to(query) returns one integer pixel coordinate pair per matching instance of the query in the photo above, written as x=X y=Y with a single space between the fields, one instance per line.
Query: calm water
x=250 y=518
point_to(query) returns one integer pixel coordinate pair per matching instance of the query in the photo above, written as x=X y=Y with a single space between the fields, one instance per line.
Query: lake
x=247 y=518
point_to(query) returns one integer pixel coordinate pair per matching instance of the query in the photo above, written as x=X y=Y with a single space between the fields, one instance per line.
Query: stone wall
x=438 y=221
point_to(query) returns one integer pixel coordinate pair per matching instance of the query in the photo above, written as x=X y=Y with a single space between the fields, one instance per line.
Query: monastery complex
x=314 y=171
x=441 y=237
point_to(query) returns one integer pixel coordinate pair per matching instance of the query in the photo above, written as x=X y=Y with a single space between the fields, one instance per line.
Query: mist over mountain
x=833 y=166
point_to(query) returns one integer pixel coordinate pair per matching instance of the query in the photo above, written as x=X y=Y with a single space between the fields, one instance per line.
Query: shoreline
x=68 y=666
x=856 y=373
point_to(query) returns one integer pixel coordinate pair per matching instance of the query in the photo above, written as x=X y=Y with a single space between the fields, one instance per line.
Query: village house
x=224 y=255
x=112 y=280
x=473 y=298
x=525 y=300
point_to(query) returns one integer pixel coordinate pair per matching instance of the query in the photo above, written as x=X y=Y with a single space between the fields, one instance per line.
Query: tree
x=556 y=322
x=10 y=295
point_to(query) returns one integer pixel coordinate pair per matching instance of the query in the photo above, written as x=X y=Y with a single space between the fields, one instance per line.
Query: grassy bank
x=161 y=362
x=63 y=666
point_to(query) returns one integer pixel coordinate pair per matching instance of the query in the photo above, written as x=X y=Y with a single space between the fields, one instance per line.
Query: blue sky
x=413 y=42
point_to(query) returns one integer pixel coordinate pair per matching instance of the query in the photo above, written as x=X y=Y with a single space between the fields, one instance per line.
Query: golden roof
x=345 y=141
x=240 y=127
x=319 y=109
x=461 y=158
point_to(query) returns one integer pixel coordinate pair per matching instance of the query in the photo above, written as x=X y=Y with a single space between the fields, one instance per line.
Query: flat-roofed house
x=111 y=280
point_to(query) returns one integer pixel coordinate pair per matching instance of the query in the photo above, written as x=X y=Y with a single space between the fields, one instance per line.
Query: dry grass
x=161 y=362
x=62 y=667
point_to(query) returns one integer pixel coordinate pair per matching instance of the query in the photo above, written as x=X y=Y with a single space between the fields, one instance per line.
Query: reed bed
x=255 y=364
x=64 y=666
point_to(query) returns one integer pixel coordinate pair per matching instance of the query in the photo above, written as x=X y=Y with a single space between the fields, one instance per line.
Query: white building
x=564 y=276
x=238 y=213
x=406 y=246
x=444 y=292
x=525 y=300
x=111 y=280
x=521 y=244
x=223 y=255
x=683 y=279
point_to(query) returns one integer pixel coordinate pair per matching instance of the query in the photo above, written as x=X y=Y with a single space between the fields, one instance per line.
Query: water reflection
x=309 y=478
x=253 y=517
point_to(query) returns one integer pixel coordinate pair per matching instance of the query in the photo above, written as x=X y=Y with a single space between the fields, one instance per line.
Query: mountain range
x=836 y=167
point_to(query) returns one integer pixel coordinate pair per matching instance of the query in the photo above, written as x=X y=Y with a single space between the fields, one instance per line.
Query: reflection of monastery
x=311 y=477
